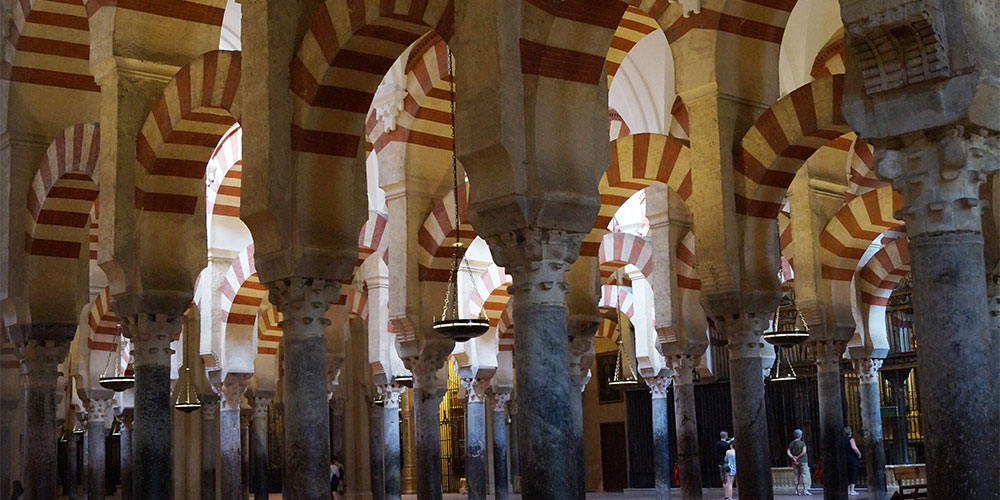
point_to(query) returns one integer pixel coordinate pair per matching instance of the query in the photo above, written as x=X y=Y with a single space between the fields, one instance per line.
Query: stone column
x=686 y=423
x=661 y=436
x=99 y=410
x=390 y=434
x=501 y=482
x=230 y=438
x=746 y=354
x=475 y=438
x=8 y=408
x=261 y=473
x=581 y=332
x=538 y=260
x=209 y=444
x=151 y=434
x=429 y=387
x=246 y=416
x=828 y=354
x=337 y=425
x=304 y=302
x=939 y=172
x=376 y=448
x=871 y=422
x=514 y=449
x=40 y=366
x=125 y=450
x=69 y=485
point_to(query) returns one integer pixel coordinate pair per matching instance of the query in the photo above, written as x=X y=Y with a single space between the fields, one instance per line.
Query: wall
x=594 y=414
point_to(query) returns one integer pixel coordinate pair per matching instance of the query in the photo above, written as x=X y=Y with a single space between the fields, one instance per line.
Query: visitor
x=18 y=491
x=730 y=470
x=336 y=476
x=798 y=452
x=853 y=455
x=721 y=448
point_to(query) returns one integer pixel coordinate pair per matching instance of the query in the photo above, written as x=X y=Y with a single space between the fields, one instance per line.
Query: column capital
x=658 y=386
x=828 y=354
x=231 y=390
x=390 y=394
x=537 y=259
x=303 y=300
x=151 y=336
x=581 y=351
x=475 y=389
x=867 y=369
x=683 y=367
x=743 y=331
x=100 y=410
x=261 y=400
x=128 y=414
x=939 y=171
x=40 y=360
x=210 y=404
x=246 y=415
x=338 y=405
x=500 y=400
x=426 y=367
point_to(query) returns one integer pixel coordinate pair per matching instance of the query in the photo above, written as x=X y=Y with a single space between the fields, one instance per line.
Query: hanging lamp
x=451 y=325
x=185 y=396
x=114 y=378
x=404 y=380
x=624 y=378
x=785 y=335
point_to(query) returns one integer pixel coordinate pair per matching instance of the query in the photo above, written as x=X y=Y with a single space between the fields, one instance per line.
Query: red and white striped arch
x=103 y=323
x=49 y=44
x=343 y=57
x=782 y=139
x=199 y=105
x=370 y=236
x=505 y=328
x=637 y=161
x=635 y=24
x=831 y=58
x=63 y=193
x=617 y=126
x=861 y=177
x=620 y=249
x=225 y=187
x=94 y=231
x=554 y=50
x=687 y=275
x=437 y=235
x=879 y=276
x=269 y=330
x=242 y=292
x=489 y=296
x=851 y=231
x=616 y=297
x=785 y=236
x=357 y=304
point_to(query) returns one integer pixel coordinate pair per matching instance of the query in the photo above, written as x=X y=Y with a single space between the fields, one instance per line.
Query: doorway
x=614 y=456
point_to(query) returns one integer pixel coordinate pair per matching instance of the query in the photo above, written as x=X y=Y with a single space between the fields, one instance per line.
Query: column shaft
x=475 y=449
x=831 y=421
x=151 y=436
x=958 y=395
x=393 y=458
x=209 y=444
x=661 y=447
x=246 y=415
x=426 y=403
x=500 y=479
x=686 y=422
x=40 y=365
x=337 y=427
x=69 y=484
x=96 y=464
x=261 y=474
x=376 y=448
x=230 y=460
x=125 y=449
x=871 y=422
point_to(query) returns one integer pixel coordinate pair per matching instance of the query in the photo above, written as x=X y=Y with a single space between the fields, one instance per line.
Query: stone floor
x=710 y=494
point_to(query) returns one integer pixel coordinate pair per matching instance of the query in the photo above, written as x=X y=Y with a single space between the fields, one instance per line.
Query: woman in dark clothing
x=18 y=491
x=852 y=454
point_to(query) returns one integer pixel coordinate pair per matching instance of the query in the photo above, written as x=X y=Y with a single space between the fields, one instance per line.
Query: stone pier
x=209 y=444
x=475 y=438
x=661 y=436
x=871 y=421
x=686 y=423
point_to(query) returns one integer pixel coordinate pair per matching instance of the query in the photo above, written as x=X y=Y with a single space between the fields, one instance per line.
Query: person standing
x=799 y=453
x=721 y=448
x=852 y=455
x=730 y=470
x=336 y=477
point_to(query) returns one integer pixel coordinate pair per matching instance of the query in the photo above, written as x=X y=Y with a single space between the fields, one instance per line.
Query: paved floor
x=710 y=494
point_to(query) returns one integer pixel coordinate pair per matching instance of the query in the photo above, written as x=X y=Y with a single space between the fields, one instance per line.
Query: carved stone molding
x=658 y=386
x=100 y=410
x=828 y=354
x=40 y=361
x=500 y=401
x=939 y=172
x=537 y=260
x=303 y=302
x=261 y=401
x=426 y=368
x=867 y=369
x=210 y=405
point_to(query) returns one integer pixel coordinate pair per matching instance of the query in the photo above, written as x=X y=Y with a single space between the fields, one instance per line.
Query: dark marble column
x=538 y=260
x=661 y=436
x=376 y=448
x=429 y=386
x=8 y=408
x=390 y=434
x=99 y=411
x=939 y=172
x=125 y=450
x=828 y=354
x=209 y=444
x=151 y=436
x=337 y=425
x=514 y=448
x=686 y=424
x=230 y=437
x=70 y=481
x=261 y=474
x=40 y=366
x=246 y=416
x=303 y=303
x=501 y=482
x=581 y=332
x=475 y=438
x=871 y=421
x=746 y=353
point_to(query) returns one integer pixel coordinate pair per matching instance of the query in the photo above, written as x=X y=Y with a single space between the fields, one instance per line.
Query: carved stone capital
x=304 y=302
x=581 y=358
x=658 y=386
x=537 y=260
x=939 y=172
x=210 y=404
x=683 y=367
x=828 y=354
x=390 y=394
x=867 y=369
x=40 y=361
x=689 y=6
x=246 y=416
x=261 y=400
x=500 y=400
x=743 y=331
x=151 y=337
x=232 y=389
x=128 y=414
x=337 y=405
x=100 y=410
x=427 y=367
x=475 y=389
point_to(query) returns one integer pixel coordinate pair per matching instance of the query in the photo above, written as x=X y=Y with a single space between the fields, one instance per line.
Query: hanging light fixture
x=624 y=378
x=785 y=335
x=114 y=378
x=404 y=380
x=185 y=396
x=450 y=325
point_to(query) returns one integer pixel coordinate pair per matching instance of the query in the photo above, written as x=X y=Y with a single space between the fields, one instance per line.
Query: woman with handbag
x=730 y=468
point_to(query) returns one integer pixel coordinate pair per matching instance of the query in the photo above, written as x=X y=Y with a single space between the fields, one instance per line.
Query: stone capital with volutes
x=101 y=409
x=828 y=354
x=40 y=361
x=391 y=394
x=304 y=301
x=537 y=259
x=867 y=369
x=127 y=417
x=658 y=386
x=500 y=398
x=261 y=401
x=426 y=367
x=210 y=405
x=476 y=389
x=939 y=172
x=151 y=335
x=232 y=389
x=744 y=334
x=683 y=367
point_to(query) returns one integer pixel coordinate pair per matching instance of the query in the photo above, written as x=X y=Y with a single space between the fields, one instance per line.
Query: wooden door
x=614 y=456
